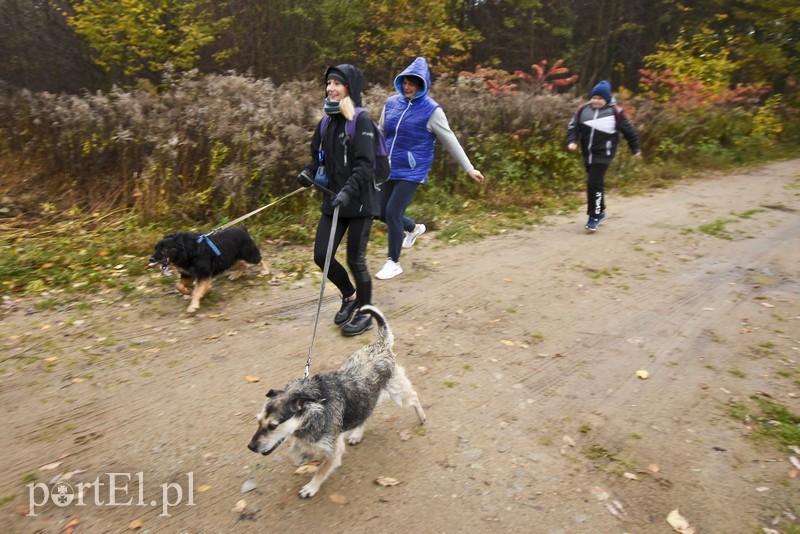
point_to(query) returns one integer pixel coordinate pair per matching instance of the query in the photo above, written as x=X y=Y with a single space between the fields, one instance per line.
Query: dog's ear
x=299 y=402
x=274 y=392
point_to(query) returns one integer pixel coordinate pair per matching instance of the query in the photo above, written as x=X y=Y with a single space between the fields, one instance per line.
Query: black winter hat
x=349 y=75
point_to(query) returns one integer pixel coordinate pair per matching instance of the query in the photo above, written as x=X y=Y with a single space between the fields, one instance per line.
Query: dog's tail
x=384 y=332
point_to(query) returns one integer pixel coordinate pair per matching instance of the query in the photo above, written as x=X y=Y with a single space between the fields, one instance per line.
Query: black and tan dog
x=319 y=412
x=199 y=258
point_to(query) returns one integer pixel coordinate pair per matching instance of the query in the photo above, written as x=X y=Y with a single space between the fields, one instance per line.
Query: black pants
x=358 y=232
x=595 y=189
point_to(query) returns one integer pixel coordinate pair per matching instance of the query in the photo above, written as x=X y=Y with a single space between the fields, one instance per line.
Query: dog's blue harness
x=210 y=243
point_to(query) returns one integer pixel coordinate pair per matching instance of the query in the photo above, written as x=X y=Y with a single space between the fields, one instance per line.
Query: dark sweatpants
x=595 y=189
x=358 y=231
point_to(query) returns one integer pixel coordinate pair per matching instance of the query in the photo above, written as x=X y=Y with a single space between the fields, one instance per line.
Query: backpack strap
x=349 y=126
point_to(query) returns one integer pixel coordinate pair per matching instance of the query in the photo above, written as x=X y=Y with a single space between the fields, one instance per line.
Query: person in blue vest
x=412 y=122
x=596 y=127
x=349 y=167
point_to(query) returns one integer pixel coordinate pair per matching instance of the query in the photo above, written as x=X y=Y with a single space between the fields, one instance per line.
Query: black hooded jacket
x=597 y=131
x=349 y=163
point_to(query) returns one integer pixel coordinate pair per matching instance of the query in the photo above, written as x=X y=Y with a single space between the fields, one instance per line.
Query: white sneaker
x=389 y=270
x=408 y=240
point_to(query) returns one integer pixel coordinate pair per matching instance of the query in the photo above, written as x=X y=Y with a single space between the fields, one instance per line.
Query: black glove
x=304 y=178
x=342 y=199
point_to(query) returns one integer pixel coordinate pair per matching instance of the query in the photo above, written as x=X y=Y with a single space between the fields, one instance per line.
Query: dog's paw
x=309 y=490
x=183 y=289
x=192 y=308
x=235 y=275
x=356 y=436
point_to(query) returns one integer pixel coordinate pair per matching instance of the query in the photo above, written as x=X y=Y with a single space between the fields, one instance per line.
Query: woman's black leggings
x=358 y=232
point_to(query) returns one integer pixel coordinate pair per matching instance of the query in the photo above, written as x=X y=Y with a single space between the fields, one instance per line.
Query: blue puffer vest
x=405 y=124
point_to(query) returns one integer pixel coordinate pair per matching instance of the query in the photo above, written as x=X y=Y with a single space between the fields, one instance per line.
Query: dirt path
x=523 y=347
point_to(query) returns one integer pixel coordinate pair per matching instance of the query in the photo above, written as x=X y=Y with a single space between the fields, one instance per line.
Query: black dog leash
x=328 y=255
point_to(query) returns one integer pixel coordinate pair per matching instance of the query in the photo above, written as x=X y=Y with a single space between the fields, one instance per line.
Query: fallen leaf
x=613 y=510
x=135 y=524
x=69 y=528
x=654 y=468
x=600 y=493
x=240 y=506
x=630 y=476
x=507 y=342
x=338 y=498
x=307 y=469
x=248 y=485
x=251 y=379
x=51 y=359
x=641 y=373
x=203 y=488
x=405 y=435
x=387 y=481
x=762 y=489
x=212 y=337
x=50 y=467
x=679 y=523
x=794 y=461
x=767 y=305
x=71 y=474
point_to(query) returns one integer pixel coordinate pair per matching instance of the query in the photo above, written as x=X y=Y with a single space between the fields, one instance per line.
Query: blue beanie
x=602 y=89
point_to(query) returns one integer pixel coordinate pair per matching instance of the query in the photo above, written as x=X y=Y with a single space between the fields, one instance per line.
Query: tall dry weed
x=216 y=146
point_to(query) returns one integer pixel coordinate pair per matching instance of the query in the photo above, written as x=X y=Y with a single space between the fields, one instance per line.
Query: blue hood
x=418 y=68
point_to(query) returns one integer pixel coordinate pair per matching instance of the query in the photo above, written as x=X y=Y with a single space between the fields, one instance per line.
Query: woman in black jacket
x=349 y=167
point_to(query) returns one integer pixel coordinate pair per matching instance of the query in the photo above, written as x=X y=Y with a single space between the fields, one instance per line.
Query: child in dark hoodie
x=596 y=125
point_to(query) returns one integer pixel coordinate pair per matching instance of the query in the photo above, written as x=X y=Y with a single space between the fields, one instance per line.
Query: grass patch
x=770 y=420
x=748 y=214
x=738 y=373
x=596 y=274
x=717 y=229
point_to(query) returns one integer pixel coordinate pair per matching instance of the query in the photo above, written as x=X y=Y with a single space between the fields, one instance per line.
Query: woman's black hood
x=353 y=78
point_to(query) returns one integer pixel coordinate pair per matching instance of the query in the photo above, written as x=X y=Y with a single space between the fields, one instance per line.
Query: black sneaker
x=360 y=323
x=346 y=311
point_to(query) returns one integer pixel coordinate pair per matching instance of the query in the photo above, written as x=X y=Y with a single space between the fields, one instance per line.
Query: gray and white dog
x=319 y=412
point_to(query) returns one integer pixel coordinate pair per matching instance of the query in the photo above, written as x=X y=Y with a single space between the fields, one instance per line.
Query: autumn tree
x=31 y=31
x=137 y=38
x=761 y=36
x=397 y=31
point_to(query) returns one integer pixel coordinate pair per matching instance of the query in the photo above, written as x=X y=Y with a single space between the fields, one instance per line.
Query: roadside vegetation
x=90 y=180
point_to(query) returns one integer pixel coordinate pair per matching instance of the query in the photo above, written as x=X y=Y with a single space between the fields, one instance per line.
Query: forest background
x=127 y=119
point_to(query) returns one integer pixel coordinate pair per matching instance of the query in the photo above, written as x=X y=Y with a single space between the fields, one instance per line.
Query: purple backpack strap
x=349 y=126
